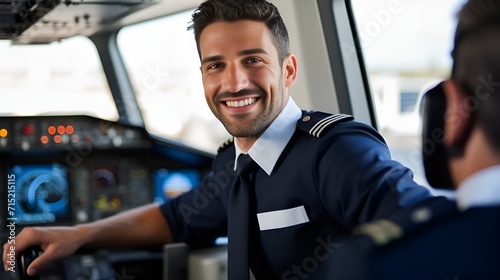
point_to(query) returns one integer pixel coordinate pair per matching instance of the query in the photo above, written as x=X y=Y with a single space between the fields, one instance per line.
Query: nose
x=235 y=78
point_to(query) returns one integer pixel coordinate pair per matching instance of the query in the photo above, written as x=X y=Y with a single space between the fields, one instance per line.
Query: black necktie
x=238 y=217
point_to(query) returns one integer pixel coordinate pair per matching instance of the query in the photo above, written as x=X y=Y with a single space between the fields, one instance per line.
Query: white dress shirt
x=267 y=149
x=480 y=189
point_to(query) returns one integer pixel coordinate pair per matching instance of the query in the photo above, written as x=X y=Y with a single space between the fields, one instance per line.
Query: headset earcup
x=434 y=152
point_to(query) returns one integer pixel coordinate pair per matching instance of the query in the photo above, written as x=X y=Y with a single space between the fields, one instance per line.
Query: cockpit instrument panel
x=65 y=170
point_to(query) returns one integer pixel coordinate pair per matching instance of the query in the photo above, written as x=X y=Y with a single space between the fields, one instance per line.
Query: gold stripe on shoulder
x=381 y=231
x=226 y=144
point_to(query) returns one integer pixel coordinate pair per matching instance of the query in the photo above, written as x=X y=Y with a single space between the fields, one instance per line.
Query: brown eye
x=254 y=60
x=214 y=66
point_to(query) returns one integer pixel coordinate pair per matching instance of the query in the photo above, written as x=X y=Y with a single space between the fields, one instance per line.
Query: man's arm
x=359 y=180
x=144 y=225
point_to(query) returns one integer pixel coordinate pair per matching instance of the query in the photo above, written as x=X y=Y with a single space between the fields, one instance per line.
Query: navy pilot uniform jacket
x=436 y=239
x=328 y=174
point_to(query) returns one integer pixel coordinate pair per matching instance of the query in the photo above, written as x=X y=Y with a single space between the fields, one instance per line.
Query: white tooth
x=240 y=103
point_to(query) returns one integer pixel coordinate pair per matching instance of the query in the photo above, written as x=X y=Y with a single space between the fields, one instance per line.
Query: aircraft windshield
x=164 y=68
x=59 y=78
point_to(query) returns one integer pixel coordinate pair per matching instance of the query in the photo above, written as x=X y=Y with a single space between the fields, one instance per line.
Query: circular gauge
x=42 y=192
x=103 y=178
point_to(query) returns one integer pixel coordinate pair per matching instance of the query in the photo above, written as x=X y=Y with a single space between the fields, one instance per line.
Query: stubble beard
x=253 y=128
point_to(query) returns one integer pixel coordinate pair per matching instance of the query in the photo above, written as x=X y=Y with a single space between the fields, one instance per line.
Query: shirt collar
x=480 y=189
x=267 y=149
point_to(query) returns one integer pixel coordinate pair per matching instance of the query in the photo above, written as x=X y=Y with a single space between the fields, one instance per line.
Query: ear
x=458 y=115
x=290 y=70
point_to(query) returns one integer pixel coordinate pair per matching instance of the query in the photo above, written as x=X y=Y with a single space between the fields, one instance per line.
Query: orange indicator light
x=51 y=130
x=70 y=129
x=58 y=139
x=61 y=129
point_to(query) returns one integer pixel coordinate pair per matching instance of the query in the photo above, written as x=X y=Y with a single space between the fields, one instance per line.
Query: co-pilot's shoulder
x=318 y=123
x=427 y=216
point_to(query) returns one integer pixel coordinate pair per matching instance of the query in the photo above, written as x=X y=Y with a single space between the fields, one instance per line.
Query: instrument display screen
x=41 y=193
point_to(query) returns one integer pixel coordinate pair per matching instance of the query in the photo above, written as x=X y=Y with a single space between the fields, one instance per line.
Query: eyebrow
x=241 y=53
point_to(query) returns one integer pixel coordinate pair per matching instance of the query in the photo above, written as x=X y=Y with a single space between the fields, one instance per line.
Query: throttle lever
x=24 y=259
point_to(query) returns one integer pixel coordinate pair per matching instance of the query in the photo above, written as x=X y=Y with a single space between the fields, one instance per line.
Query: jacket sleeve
x=198 y=217
x=358 y=180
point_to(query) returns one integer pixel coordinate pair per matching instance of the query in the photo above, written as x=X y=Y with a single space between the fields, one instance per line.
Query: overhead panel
x=45 y=21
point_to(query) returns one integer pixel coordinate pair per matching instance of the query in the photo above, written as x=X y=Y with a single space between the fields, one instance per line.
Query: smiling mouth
x=241 y=103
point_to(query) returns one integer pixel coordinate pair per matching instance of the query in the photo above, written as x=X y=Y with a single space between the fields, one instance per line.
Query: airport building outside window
x=407 y=47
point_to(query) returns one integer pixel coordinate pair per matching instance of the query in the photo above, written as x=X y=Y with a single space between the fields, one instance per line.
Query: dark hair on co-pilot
x=212 y=11
x=476 y=63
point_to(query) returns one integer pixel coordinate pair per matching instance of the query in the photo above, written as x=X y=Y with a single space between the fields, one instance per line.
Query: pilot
x=313 y=176
x=456 y=239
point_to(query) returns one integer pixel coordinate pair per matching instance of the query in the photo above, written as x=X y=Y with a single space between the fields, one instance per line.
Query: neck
x=478 y=155
x=245 y=143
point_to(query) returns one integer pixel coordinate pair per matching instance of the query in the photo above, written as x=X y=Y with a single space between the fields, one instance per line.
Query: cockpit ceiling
x=46 y=21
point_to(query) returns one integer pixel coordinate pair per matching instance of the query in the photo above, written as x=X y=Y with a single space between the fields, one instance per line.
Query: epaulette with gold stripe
x=317 y=123
x=226 y=144
x=380 y=231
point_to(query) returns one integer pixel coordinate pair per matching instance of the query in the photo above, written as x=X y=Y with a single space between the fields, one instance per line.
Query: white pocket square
x=282 y=218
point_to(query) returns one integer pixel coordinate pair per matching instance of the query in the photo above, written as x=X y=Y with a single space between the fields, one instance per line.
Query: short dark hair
x=212 y=11
x=476 y=63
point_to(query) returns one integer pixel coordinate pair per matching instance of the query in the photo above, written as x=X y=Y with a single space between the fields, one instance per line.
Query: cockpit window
x=407 y=47
x=164 y=67
x=55 y=79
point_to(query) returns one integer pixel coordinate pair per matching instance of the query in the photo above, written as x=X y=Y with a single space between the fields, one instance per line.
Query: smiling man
x=316 y=175
x=246 y=83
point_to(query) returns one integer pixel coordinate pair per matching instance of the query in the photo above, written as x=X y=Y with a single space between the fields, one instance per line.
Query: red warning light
x=28 y=129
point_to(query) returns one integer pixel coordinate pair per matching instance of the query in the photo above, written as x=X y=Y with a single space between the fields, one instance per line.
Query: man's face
x=242 y=77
